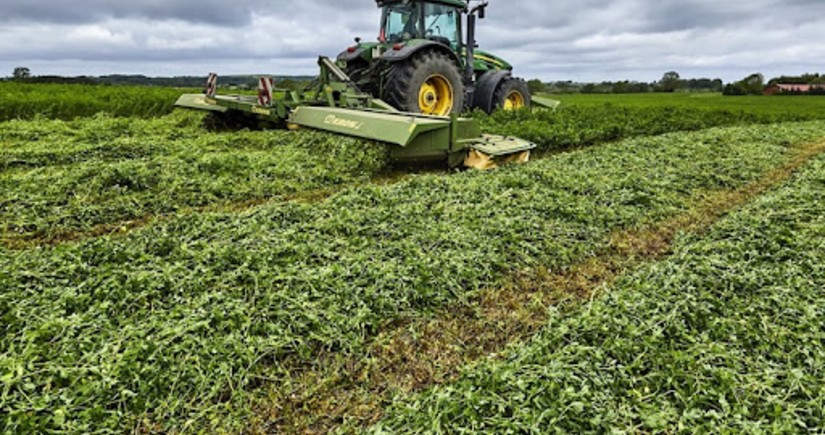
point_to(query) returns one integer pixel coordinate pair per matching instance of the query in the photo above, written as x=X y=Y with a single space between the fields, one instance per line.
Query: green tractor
x=407 y=90
x=421 y=63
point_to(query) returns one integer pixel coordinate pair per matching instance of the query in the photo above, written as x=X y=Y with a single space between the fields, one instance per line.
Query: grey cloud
x=88 y=11
x=560 y=39
x=219 y=12
x=702 y=14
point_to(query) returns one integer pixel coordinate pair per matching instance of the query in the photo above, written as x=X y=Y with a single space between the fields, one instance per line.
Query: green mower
x=406 y=89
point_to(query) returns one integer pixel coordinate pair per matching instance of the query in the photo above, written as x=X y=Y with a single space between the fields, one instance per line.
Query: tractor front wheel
x=428 y=83
x=512 y=94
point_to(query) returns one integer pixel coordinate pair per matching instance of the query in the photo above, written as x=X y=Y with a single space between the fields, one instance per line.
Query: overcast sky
x=583 y=40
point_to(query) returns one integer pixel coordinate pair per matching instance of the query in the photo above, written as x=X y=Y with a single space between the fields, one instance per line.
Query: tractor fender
x=408 y=51
x=486 y=89
x=347 y=56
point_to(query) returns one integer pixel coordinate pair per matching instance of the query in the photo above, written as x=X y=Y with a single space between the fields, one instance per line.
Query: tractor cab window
x=441 y=23
x=414 y=20
x=402 y=22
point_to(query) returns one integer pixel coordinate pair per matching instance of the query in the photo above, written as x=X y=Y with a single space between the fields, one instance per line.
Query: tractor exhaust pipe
x=471 y=46
x=477 y=12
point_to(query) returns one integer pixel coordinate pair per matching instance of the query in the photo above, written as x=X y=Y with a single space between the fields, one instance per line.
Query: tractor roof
x=455 y=3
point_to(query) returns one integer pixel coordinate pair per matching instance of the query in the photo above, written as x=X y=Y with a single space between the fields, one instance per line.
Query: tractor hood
x=485 y=61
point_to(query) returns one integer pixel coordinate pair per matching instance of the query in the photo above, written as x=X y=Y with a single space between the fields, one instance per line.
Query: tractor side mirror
x=482 y=13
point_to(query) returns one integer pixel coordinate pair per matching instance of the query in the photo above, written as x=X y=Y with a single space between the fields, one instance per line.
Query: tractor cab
x=404 y=21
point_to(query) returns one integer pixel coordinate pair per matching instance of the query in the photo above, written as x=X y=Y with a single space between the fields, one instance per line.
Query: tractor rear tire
x=428 y=83
x=512 y=94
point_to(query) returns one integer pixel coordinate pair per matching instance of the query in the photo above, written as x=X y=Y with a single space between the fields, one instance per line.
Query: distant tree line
x=804 y=79
x=23 y=74
x=670 y=82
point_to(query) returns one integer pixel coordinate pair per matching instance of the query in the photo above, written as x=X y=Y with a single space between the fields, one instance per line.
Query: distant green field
x=812 y=105
x=589 y=119
x=70 y=101
x=56 y=101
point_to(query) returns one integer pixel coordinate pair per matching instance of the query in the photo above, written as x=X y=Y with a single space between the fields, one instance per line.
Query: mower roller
x=407 y=89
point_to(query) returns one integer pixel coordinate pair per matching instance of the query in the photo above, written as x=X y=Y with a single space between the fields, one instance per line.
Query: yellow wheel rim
x=436 y=96
x=514 y=101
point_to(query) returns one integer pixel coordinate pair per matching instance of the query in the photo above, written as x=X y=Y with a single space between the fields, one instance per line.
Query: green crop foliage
x=27 y=101
x=779 y=106
x=726 y=336
x=42 y=142
x=176 y=324
x=58 y=177
x=583 y=121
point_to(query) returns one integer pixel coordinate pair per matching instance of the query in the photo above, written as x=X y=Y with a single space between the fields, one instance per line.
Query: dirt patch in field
x=336 y=392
